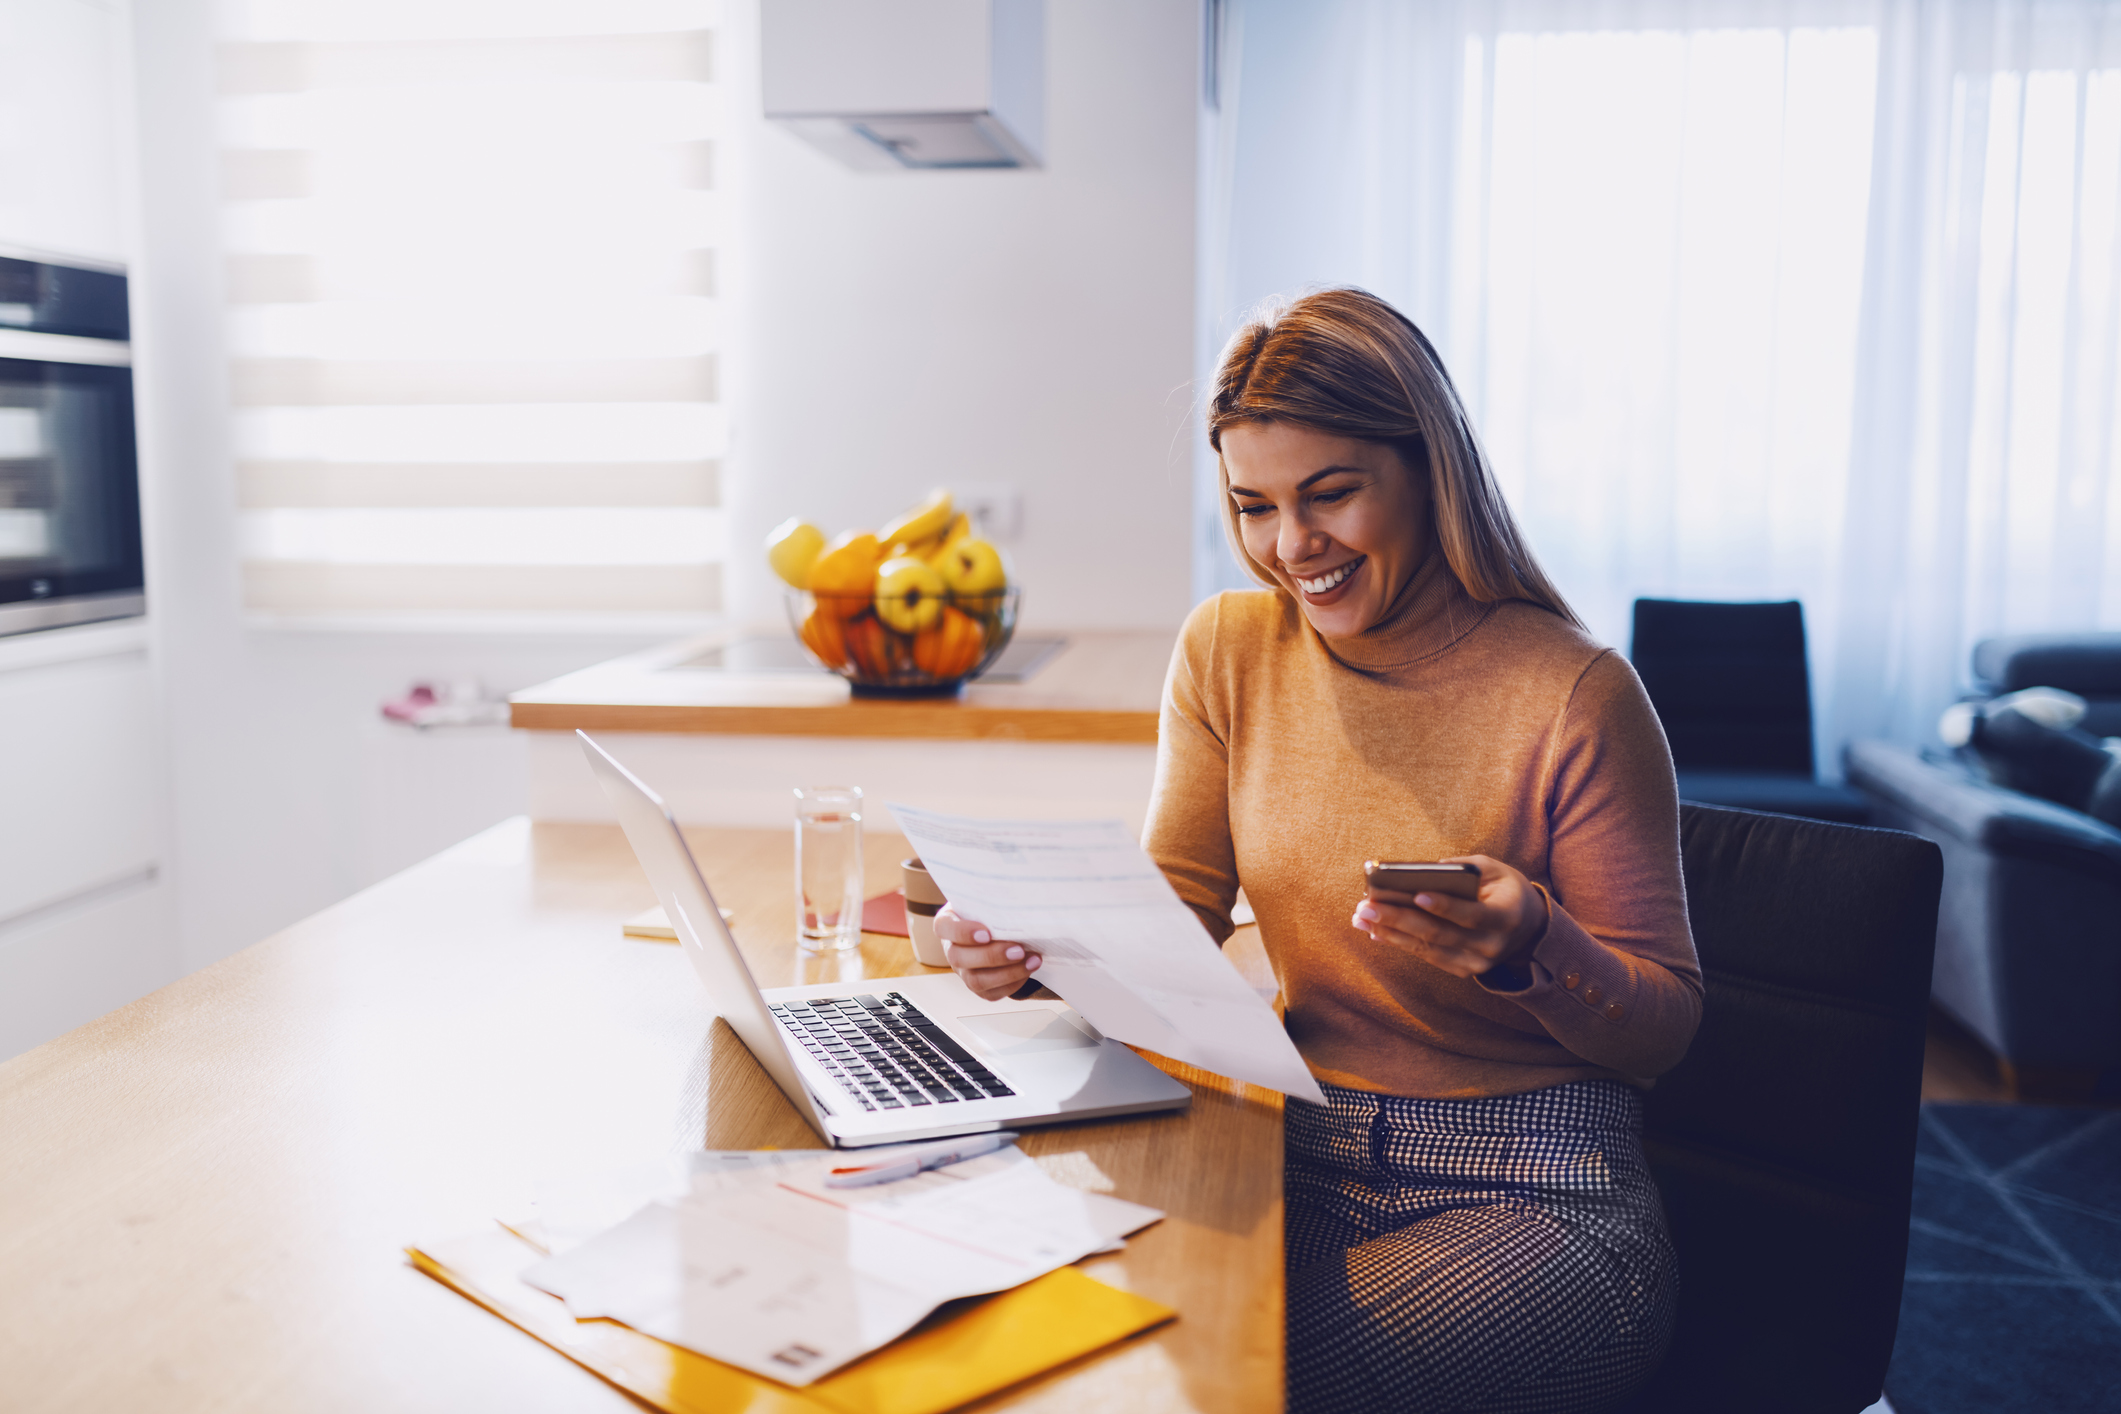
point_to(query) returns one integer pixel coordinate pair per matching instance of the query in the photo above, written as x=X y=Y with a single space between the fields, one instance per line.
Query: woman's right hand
x=992 y=970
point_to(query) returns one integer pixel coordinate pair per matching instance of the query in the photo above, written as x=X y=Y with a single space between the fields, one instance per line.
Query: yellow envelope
x=945 y=1362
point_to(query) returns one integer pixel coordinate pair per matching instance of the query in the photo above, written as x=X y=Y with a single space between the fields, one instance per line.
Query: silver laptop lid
x=689 y=904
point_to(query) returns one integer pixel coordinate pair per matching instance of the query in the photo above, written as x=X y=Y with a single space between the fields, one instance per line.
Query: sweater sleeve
x=1614 y=978
x=1188 y=833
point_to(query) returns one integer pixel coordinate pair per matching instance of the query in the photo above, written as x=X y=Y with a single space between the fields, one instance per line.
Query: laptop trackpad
x=1023 y=1033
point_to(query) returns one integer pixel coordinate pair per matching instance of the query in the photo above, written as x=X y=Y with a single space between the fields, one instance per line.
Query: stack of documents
x=785 y=1277
x=755 y=1262
x=1114 y=939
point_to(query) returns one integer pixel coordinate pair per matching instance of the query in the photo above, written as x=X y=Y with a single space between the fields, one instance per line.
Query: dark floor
x=1957 y=1069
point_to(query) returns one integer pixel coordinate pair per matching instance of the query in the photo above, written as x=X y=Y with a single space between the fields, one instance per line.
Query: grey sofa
x=2029 y=931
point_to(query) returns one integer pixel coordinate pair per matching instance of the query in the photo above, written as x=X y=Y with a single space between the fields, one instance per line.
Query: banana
x=933 y=551
x=792 y=548
x=924 y=522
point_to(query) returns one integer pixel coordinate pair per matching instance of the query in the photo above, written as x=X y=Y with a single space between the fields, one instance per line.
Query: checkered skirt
x=1504 y=1256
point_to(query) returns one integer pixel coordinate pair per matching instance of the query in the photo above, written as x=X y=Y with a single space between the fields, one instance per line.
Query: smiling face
x=1341 y=523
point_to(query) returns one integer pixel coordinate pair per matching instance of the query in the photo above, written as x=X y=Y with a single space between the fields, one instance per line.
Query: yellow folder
x=949 y=1360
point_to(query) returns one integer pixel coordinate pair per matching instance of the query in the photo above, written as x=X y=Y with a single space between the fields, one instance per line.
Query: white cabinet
x=86 y=921
x=81 y=806
x=64 y=104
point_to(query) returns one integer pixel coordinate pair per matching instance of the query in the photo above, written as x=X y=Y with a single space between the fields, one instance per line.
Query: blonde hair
x=1344 y=361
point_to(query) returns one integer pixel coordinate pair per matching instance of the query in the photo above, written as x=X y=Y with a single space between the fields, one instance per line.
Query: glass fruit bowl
x=904 y=645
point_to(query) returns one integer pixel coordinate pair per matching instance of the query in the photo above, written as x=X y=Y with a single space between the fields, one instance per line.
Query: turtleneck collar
x=1431 y=612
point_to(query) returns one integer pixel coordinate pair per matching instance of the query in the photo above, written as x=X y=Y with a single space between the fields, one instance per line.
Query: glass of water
x=828 y=867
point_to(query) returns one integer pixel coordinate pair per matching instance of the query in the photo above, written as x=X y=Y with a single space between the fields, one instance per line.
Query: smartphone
x=1457 y=880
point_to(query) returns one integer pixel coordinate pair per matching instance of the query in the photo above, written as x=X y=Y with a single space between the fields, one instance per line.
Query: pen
x=928 y=1156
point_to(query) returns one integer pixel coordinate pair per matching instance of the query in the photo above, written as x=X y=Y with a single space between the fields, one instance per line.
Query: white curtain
x=1983 y=499
x=1761 y=299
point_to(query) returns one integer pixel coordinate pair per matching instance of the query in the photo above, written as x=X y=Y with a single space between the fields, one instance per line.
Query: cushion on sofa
x=2088 y=664
x=2029 y=741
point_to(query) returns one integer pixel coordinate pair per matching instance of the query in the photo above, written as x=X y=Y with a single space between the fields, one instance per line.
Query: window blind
x=473 y=320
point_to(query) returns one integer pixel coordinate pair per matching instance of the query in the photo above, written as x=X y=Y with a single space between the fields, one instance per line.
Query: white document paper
x=572 y=1208
x=1005 y=1197
x=792 y=1280
x=1115 y=939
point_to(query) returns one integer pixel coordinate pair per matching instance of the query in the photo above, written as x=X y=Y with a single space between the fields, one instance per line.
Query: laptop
x=893 y=1059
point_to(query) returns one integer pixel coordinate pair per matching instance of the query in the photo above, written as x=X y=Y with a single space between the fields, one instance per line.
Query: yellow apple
x=793 y=548
x=923 y=523
x=844 y=577
x=972 y=568
x=909 y=594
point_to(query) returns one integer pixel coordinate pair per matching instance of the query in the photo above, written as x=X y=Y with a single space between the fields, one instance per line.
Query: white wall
x=292 y=791
x=906 y=329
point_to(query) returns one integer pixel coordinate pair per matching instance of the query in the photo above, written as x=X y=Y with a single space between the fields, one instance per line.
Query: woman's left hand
x=1464 y=937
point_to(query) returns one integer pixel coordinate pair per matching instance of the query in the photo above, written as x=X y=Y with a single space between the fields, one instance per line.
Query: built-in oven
x=69 y=469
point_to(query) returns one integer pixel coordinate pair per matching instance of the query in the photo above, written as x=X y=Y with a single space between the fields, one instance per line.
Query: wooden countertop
x=1103 y=687
x=206 y=1192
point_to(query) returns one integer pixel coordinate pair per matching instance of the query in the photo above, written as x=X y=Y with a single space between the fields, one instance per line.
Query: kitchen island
x=724 y=728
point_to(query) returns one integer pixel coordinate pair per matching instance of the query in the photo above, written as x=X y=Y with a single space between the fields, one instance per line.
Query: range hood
x=896 y=85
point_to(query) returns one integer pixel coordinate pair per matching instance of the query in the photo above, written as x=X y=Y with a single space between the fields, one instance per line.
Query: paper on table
x=1006 y=1197
x=794 y=1280
x=1115 y=939
x=572 y=1208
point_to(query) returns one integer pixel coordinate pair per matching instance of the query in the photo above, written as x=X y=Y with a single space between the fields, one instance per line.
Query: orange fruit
x=952 y=648
x=874 y=648
x=824 y=634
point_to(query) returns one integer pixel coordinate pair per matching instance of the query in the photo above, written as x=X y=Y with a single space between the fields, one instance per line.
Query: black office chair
x=1730 y=684
x=1784 y=1143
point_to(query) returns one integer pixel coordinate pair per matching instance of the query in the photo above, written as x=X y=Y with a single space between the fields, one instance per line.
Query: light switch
x=996 y=509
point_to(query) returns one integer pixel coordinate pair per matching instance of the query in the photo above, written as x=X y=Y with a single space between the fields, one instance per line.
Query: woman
x=1470 y=1223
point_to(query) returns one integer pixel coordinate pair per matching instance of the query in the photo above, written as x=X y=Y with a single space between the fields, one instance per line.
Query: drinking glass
x=828 y=867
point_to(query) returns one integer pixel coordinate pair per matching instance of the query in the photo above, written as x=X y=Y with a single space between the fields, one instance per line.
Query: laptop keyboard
x=886 y=1054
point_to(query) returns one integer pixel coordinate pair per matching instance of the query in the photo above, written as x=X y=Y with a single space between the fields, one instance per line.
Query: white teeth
x=1326 y=581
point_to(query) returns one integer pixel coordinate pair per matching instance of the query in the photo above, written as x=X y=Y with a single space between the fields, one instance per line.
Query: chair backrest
x=1729 y=682
x=1784 y=1143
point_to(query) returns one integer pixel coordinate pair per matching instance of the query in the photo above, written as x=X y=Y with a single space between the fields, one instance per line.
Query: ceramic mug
x=923 y=901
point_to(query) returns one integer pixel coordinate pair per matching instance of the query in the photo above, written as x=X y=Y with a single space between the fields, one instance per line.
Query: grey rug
x=2013 y=1296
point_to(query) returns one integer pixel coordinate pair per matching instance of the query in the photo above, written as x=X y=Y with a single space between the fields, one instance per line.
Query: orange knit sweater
x=1453 y=727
